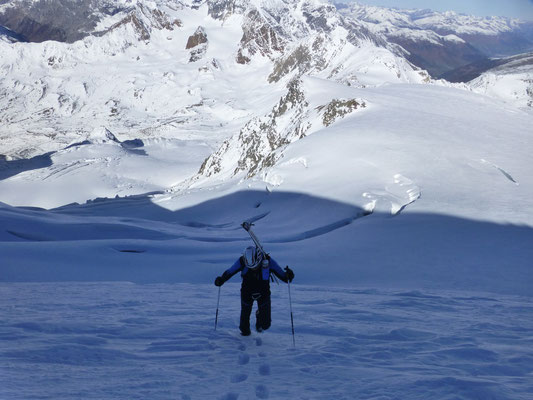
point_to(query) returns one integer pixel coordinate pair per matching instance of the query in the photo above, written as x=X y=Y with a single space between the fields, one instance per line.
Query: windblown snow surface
x=408 y=223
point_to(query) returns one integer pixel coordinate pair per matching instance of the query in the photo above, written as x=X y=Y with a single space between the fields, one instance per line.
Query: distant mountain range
x=152 y=68
x=442 y=42
x=438 y=42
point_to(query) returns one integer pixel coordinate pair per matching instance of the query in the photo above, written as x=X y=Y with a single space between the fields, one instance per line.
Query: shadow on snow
x=14 y=167
x=135 y=239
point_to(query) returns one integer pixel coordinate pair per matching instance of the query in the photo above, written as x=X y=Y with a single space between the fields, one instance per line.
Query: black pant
x=248 y=296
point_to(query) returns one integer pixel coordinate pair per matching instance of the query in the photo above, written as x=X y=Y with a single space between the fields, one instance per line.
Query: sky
x=522 y=9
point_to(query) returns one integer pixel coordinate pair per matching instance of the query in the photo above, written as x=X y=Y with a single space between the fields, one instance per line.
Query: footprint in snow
x=264 y=369
x=258 y=342
x=230 y=396
x=244 y=359
x=239 y=378
x=261 y=391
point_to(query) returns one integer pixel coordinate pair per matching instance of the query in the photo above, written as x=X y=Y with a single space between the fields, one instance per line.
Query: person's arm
x=236 y=267
x=286 y=276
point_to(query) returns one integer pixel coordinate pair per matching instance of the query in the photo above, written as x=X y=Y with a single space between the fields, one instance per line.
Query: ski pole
x=292 y=319
x=218 y=303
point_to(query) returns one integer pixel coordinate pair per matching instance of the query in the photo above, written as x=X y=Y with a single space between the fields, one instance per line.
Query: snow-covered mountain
x=61 y=20
x=129 y=159
x=144 y=75
x=441 y=42
x=165 y=96
x=510 y=79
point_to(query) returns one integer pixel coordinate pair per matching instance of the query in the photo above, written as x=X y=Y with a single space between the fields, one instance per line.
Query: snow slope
x=403 y=208
x=120 y=340
x=443 y=183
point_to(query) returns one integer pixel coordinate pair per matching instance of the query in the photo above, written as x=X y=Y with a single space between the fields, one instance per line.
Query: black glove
x=289 y=273
x=219 y=281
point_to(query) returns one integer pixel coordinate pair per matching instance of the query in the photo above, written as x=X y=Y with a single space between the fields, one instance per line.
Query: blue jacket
x=239 y=265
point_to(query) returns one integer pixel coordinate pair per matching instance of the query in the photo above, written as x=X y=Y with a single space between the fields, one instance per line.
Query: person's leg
x=246 y=310
x=263 y=313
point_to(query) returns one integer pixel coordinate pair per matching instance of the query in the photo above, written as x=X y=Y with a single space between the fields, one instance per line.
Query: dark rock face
x=474 y=70
x=441 y=60
x=72 y=20
x=470 y=71
x=199 y=37
x=10 y=35
x=317 y=18
x=197 y=43
x=30 y=29
x=438 y=59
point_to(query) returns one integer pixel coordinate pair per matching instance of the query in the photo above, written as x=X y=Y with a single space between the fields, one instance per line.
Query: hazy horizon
x=521 y=9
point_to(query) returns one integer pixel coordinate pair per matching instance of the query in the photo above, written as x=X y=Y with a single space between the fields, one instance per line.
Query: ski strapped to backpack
x=248 y=228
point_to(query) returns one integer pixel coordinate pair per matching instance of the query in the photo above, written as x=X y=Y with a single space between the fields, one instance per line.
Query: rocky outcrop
x=102 y=135
x=197 y=43
x=299 y=59
x=221 y=9
x=339 y=108
x=259 y=36
x=259 y=142
x=143 y=20
x=199 y=37
x=142 y=31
